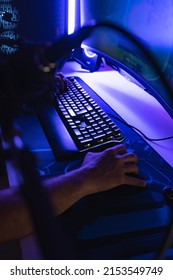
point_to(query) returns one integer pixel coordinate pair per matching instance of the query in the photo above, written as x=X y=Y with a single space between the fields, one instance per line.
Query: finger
x=63 y=78
x=62 y=84
x=133 y=181
x=131 y=168
x=129 y=158
x=119 y=149
x=60 y=74
x=62 y=81
x=65 y=84
x=59 y=80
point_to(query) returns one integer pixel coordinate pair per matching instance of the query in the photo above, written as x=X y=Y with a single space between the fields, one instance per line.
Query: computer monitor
x=38 y=21
x=151 y=23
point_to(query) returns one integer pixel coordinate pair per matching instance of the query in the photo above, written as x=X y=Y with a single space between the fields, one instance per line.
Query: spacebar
x=58 y=137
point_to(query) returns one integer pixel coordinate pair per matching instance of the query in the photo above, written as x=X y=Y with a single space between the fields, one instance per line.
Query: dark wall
x=41 y=20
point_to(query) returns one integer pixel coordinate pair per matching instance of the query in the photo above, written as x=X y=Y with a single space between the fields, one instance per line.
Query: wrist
x=85 y=184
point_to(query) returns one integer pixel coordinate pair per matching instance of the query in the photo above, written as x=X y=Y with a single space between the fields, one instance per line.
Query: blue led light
x=71 y=16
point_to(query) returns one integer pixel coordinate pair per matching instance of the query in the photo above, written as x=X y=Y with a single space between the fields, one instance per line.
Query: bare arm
x=99 y=172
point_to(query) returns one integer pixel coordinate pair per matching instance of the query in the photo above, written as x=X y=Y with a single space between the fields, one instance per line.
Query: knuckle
x=133 y=156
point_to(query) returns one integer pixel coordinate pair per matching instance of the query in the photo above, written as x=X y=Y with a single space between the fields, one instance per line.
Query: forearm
x=15 y=221
x=65 y=190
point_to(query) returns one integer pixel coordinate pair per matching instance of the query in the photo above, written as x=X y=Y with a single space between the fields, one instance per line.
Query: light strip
x=71 y=15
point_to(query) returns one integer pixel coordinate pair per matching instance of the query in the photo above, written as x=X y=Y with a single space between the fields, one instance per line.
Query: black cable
x=137 y=129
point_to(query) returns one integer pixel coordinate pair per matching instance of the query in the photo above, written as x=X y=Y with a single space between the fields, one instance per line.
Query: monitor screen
x=38 y=21
x=150 y=21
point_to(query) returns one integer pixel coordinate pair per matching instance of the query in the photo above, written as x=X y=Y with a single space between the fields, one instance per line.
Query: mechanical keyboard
x=77 y=122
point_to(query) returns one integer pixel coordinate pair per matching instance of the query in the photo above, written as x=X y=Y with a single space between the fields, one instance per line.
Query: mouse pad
x=129 y=198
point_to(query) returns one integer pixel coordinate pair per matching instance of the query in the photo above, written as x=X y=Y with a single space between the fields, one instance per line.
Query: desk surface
x=132 y=103
x=139 y=109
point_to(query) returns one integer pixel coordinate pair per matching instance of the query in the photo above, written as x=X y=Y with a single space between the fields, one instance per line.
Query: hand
x=61 y=81
x=111 y=168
